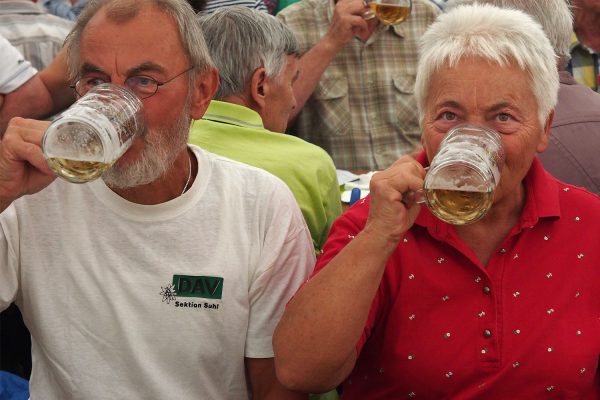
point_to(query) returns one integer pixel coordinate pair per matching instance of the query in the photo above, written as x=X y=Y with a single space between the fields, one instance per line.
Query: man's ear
x=258 y=88
x=203 y=92
x=543 y=144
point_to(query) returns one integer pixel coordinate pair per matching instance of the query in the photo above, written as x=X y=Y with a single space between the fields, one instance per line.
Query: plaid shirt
x=363 y=111
x=584 y=64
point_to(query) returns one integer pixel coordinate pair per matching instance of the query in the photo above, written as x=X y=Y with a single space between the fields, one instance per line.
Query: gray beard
x=161 y=148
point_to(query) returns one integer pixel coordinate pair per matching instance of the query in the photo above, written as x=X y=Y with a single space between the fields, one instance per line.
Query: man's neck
x=588 y=30
x=239 y=99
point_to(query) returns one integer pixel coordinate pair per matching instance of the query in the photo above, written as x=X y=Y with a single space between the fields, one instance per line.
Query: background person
x=165 y=278
x=405 y=305
x=30 y=28
x=355 y=98
x=585 y=46
x=575 y=131
x=27 y=93
x=45 y=94
x=252 y=106
x=15 y=70
x=39 y=37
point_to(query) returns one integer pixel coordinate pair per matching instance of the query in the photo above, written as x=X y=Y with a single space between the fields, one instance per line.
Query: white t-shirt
x=14 y=69
x=129 y=301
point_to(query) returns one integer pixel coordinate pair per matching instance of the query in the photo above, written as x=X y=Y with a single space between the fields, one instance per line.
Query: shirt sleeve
x=14 y=69
x=9 y=265
x=286 y=262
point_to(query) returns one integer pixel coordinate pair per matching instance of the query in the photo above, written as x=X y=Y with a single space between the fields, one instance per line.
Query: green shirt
x=237 y=132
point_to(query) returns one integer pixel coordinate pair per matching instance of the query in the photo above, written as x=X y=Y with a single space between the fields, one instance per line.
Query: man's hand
x=23 y=169
x=389 y=216
x=347 y=22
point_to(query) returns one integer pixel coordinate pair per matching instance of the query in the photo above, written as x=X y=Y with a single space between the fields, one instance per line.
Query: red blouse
x=527 y=326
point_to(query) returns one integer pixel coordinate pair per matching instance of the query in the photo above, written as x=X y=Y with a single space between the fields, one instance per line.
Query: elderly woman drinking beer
x=403 y=304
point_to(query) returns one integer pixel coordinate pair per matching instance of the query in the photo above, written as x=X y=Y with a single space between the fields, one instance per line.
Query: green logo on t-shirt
x=207 y=287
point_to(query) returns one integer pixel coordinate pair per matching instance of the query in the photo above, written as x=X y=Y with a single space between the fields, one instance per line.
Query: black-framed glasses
x=142 y=86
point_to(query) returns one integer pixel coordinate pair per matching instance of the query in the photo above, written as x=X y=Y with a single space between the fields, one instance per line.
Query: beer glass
x=86 y=139
x=389 y=12
x=460 y=182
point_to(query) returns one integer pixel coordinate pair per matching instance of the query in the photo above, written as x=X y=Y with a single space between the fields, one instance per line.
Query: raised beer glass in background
x=460 y=182
x=389 y=12
x=86 y=139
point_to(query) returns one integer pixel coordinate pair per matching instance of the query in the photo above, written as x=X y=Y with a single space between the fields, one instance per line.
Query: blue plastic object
x=354 y=196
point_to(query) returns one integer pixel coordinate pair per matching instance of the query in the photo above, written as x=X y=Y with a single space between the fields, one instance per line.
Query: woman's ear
x=203 y=92
x=543 y=143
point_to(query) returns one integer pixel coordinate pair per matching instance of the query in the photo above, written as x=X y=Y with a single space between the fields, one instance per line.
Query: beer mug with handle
x=460 y=182
x=86 y=139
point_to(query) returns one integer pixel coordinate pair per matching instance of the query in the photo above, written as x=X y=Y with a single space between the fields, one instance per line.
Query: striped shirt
x=212 y=5
x=362 y=111
x=35 y=33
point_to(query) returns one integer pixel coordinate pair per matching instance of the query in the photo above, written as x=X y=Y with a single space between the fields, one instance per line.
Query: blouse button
x=487 y=290
x=487 y=333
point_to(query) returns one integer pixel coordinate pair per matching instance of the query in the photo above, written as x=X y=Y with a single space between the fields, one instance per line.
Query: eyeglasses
x=142 y=86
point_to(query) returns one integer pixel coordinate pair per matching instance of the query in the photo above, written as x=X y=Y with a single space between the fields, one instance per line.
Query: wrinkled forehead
x=116 y=39
x=481 y=84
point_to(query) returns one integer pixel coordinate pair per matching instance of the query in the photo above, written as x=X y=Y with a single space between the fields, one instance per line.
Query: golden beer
x=458 y=207
x=389 y=14
x=77 y=171
x=91 y=135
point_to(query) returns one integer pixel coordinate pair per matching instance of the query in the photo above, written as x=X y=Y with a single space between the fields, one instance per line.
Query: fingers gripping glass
x=142 y=86
x=389 y=12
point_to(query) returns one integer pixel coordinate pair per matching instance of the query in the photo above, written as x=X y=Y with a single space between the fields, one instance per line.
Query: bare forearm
x=30 y=100
x=45 y=94
x=315 y=341
x=312 y=65
x=55 y=78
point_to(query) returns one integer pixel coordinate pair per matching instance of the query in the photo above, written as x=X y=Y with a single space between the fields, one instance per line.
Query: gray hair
x=123 y=10
x=498 y=35
x=240 y=40
x=554 y=15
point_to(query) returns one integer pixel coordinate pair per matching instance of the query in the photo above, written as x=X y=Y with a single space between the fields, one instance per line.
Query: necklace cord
x=189 y=178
